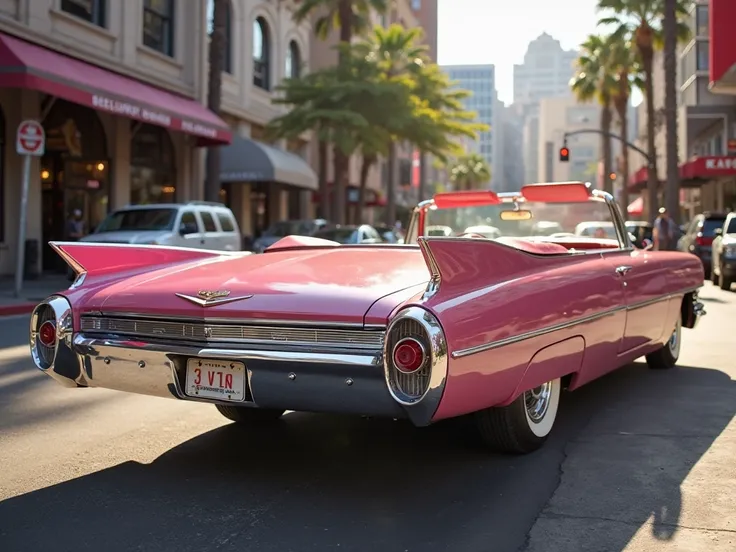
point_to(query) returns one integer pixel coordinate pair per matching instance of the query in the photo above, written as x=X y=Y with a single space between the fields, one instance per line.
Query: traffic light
x=564 y=154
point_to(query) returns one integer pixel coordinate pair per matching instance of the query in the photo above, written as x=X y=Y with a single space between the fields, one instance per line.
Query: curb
x=20 y=308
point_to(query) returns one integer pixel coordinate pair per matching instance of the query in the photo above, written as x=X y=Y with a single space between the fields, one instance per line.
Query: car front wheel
x=524 y=425
x=725 y=283
x=246 y=415
x=666 y=357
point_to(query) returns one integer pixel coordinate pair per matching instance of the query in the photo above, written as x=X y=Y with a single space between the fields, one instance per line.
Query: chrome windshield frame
x=619 y=223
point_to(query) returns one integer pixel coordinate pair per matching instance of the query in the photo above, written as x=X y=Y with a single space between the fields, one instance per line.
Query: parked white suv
x=197 y=224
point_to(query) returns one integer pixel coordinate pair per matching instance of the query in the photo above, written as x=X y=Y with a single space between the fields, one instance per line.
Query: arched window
x=152 y=166
x=293 y=61
x=261 y=54
x=227 y=62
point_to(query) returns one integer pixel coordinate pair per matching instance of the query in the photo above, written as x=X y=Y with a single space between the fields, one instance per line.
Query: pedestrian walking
x=75 y=226
x=665 y=232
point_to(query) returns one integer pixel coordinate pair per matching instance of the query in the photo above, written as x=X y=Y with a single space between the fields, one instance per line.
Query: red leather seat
x=534 y=247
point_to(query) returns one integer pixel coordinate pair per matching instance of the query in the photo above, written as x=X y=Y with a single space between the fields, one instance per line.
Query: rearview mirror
x=520 y=214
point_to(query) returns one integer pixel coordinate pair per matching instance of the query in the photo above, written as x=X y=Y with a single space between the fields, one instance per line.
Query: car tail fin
x=98 y=259
x=475 y=263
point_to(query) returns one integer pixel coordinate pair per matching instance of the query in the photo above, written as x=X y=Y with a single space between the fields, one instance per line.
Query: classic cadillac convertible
x=459 y=324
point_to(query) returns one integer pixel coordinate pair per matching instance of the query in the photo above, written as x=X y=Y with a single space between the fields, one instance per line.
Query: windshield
x=138 y=220
x=731 y=226
x=710 y=225
x=592 y=219
x=340 y=235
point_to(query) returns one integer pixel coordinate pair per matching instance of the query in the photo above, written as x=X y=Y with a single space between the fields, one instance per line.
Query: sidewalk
x=34 y=291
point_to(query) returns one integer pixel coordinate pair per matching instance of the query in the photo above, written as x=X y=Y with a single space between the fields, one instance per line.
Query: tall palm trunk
x=622 y=109
x=672 y=199
x=644 y=40
x=365 y=168
x=214 y=93
x=341 y=161
x=393 y=170
x=324 y=189
x=606 y=123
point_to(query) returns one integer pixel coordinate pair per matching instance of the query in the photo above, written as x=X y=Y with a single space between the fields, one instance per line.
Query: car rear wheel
x=524 y=425
x=725 y=283
x=245 y=415
x=666 y=357
x=714 y=277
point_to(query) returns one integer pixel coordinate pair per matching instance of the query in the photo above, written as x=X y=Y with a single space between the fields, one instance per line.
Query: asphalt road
x=639 y=460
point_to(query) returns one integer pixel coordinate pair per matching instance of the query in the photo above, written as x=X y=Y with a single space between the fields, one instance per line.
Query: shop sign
x=720 y=163
x=131 y=110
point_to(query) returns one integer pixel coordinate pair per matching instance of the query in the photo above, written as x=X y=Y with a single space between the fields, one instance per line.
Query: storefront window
x=152 y=166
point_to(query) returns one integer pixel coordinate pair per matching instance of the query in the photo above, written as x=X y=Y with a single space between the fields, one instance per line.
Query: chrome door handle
x=621 y=270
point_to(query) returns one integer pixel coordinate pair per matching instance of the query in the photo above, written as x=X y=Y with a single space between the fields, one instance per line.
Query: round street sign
x=31 y=138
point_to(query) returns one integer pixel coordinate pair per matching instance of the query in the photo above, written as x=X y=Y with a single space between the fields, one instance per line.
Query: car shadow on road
x=319 y=483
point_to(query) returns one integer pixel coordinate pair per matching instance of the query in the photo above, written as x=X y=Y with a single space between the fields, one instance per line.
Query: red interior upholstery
x=537 y=248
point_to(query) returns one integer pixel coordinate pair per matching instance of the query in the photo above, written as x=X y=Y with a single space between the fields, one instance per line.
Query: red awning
x=706 y=168
x=636 y=207
x=26 y=65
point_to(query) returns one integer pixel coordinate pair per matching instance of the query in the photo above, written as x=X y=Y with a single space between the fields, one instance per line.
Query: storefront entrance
x=74 y=176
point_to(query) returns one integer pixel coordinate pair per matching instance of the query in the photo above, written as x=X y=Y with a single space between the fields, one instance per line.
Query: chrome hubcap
x=674 y=342
x=537 y=401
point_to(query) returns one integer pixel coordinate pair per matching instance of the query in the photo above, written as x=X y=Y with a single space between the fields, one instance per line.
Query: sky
x=498 y=32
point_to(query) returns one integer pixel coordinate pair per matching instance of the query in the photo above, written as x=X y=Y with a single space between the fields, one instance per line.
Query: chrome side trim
x=534 y=333
x=276 y=323
x=564 y=325
x=421 y=409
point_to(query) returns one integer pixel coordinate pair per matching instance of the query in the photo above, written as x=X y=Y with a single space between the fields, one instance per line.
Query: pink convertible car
x=491 y=320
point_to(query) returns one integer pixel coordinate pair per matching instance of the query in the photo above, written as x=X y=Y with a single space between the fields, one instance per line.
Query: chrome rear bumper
x=349 y=381
x=313 y=382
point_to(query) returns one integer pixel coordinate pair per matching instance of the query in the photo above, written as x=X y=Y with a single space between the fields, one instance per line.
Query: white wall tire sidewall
x=542 y=428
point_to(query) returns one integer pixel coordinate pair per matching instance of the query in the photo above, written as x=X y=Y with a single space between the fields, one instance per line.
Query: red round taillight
x=47 y=334
x=408 y=355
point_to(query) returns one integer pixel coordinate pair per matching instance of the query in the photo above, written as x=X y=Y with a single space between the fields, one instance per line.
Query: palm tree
x=469 y=172
x=674 y=29
x=626 y=72
x=350 y=17
x=594 y=81
x=217 y=50
x=435 y=115
x=640 y=19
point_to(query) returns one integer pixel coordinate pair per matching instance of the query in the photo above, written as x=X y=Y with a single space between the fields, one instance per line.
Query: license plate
x=215 y=379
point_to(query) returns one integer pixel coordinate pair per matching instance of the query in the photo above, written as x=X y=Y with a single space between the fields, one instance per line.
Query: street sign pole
x=30 y=141
x=20 y=257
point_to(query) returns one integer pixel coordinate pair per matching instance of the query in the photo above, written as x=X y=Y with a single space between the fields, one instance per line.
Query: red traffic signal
x=564 y=155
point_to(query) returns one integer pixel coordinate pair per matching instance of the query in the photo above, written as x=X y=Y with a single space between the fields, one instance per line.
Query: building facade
x=118 y=86
x=512 y=149
x=545 y=73
x=262 y=182
x=558 y=116
x=480 y=80
x=706 y=121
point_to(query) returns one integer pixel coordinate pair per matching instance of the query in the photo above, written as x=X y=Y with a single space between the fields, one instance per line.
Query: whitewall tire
x=524 y=425
x=666 y=357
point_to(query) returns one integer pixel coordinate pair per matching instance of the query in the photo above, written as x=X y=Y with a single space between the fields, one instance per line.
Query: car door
x=211 y=231
x=643 y=278
x=190 y=230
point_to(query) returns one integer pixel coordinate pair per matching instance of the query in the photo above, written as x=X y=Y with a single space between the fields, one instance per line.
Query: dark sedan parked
x=699 y=235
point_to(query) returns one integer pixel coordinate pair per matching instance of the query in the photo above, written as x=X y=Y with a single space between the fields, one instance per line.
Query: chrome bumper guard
x=331 y=382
